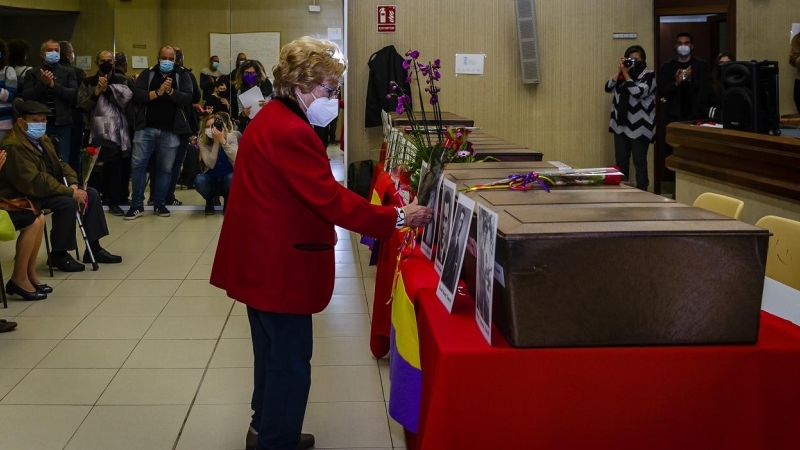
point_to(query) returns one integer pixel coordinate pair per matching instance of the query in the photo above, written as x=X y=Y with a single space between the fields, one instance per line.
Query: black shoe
x=174 y=202
x=162 y=211
x=306 y=441
x=6 y=326
x=210 y=211
x=102 y=256
x=12 y=288
x=216 y=201
x=115 y=210
x=43 y=288
x=67 y=264
x=134 y=213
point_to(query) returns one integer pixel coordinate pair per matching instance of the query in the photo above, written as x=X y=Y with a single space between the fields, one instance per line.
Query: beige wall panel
x=50 y=5
x=290 y=17
x=94 y=30
x=565 y=117
x=187 y=24
x=138 y=22
x=762 y=32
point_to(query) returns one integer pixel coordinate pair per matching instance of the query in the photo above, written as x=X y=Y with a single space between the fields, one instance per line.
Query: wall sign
x=387 y=18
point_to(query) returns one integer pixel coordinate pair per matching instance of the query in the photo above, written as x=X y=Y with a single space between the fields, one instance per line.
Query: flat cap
x=30 y=107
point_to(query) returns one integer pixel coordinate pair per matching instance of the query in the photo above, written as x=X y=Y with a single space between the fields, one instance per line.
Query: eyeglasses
x=332 y=92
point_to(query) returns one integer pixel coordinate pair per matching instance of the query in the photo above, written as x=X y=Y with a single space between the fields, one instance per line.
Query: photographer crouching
x=218 y=146
x=633 y=112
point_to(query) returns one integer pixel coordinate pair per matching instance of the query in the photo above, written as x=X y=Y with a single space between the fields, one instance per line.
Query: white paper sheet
x=795 y=30
x=251 y=98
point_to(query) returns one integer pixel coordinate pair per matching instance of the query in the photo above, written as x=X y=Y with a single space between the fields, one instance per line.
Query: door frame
x=681 y=8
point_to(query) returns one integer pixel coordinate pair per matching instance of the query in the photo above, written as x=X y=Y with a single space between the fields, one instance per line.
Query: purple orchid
x=437 y=63
x=413 y=54
x=424 y=69
x=406 y=64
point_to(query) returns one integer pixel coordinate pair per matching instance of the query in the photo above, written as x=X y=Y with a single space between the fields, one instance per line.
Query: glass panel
x=144 y=26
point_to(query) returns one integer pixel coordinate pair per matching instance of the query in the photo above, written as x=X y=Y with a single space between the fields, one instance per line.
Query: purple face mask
x=250 y=78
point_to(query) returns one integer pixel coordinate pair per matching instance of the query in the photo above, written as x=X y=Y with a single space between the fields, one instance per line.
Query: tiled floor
x=147 y=355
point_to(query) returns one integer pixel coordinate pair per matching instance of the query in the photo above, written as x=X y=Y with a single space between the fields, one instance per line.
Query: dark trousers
x=64 y=135
x=112 y=182
x=75 y=146
x=624 y=147
x=210 y=186
x=322 y=132
x=282 y=346
x=62 y=235
x=797 y=94
x=332 y=129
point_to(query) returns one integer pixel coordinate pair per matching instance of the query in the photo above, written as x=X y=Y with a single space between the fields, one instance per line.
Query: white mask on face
x=208 y=133
x=684 y=50
x=322 y=110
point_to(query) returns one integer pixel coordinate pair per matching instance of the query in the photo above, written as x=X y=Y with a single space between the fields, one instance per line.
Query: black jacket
x=385 y=66
x=65 y=90
x=697 y=89
x=182 y=97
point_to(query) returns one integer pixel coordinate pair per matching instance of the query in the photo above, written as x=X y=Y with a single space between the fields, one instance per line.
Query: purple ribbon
x=523 y=182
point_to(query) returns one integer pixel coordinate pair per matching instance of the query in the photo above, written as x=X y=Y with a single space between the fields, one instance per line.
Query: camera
x=629 y=62
x=218 y=123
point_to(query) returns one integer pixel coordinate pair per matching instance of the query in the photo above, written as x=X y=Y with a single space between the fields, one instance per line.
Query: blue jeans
x=282 y=346
x=210 y=186
x=146 y=142
x=63 y=133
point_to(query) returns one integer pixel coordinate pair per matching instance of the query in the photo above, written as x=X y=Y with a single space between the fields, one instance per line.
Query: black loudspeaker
x=750 y=96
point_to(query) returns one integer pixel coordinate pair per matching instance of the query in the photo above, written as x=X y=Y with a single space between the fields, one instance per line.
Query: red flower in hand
x=92 y=151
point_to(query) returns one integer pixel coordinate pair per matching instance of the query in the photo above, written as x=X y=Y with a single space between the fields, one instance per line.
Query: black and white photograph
x=447 y=204
x=484 y=282
x=429 y=233
x=457 y=243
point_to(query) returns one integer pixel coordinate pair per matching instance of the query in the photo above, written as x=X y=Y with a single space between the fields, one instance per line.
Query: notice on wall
x=387 y=18
x=83 y=62
x=139 y=62
x=795 y=30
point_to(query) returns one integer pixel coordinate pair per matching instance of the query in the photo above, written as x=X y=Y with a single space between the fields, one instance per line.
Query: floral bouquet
x=88 y=160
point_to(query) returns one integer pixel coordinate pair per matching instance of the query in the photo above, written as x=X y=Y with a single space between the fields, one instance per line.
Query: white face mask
x=322 y=110
x=684 y=50
x=208 y=133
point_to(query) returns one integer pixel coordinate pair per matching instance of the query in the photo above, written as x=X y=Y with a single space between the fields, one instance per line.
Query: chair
x=783 y=257
x=721 y=204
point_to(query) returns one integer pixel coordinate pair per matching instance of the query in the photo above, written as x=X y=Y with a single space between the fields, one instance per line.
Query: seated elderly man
x=33 y=170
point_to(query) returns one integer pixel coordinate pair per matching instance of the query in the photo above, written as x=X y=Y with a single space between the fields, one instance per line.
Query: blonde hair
x=227 y=124
x=305 y=63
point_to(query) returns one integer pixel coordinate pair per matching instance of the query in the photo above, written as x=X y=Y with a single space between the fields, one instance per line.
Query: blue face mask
x=36 y=130
x=215 y=65
x=52 y=57
x=166 y=66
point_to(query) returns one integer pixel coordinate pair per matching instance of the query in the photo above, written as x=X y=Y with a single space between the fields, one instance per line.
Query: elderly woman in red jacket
x=276 y=248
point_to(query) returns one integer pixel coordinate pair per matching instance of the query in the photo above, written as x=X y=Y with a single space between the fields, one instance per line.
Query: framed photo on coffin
x=429 y=233
x=484 y=281
x=447 y=204
x=457 y=245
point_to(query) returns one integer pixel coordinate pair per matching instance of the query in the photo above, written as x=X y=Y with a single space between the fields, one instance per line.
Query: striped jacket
x=641 y=111
x=8 y=90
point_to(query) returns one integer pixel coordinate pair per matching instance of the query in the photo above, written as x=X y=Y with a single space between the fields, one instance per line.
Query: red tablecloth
x=704 y=397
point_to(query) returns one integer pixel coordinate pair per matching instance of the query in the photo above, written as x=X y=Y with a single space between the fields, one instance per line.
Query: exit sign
x=387 y=18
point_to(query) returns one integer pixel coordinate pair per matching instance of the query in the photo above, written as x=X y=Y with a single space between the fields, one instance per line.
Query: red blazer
x=276 y=247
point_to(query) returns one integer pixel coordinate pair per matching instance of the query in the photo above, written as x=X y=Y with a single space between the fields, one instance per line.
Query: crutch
x=83 y=233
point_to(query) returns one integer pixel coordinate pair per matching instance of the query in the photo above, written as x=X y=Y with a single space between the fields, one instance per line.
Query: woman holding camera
x=217 y=175
x=633 y=112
